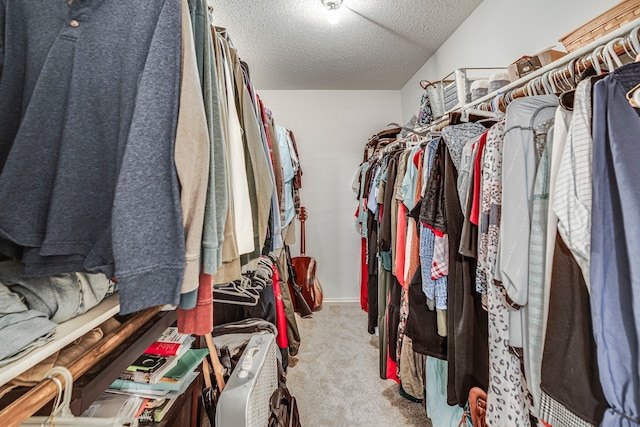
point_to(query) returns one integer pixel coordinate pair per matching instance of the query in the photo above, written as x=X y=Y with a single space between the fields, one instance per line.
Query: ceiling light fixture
x=333 y=7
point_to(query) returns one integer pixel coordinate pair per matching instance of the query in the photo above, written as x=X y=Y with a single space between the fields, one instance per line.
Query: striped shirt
x=572 y=199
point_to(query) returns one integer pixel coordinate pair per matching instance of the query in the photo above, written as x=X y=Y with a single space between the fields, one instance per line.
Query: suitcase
x=244 y=402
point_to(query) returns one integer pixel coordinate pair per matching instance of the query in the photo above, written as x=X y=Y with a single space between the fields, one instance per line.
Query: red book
x=168 y=344
x=163 y=348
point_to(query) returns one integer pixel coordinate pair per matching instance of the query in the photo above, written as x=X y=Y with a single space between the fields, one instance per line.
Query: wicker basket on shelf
x=614 y=18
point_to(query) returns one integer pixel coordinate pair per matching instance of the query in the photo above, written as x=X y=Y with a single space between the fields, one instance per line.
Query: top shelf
x=65 y=334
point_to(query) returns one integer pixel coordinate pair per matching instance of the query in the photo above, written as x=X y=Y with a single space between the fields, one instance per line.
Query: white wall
x=331 y=130
x=497 y=33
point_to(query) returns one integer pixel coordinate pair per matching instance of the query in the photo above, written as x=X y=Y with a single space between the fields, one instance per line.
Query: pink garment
x=392 y=370
x=281 y=319
x=364 y=277
x=413 y=246
x=440 y=264
x=477 y=176
x=199 y=320
x=401 y=236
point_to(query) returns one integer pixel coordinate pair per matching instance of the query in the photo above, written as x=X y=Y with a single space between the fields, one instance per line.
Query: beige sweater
x=191 y=154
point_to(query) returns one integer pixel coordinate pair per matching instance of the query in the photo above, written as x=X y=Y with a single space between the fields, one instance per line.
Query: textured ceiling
x=378 y=44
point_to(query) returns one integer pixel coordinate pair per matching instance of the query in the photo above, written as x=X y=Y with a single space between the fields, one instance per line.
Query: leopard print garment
x=490 y=204
x=507 y=402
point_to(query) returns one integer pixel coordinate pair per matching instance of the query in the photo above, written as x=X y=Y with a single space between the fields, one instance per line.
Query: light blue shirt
x=289 y=173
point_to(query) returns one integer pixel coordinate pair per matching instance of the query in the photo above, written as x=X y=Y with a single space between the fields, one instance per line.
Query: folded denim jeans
x=60 y=297
x=21 y=329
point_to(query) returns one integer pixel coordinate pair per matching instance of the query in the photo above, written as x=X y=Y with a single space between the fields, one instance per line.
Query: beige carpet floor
x=335 y=375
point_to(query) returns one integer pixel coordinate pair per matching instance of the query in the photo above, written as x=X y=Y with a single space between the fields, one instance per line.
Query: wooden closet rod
x=28 y=404
x=621 y=42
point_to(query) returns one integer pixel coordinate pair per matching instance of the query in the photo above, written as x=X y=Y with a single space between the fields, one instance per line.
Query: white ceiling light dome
x=333 y=7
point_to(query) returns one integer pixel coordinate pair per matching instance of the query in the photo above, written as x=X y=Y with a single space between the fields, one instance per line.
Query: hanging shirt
x=572 y=201
x=213 y=234
x=533 y=344
x=282 y=135
x=507 y=393
x=243 y=220
x=96 y=110
x=372 y=200
x=410 y=179
x=520 y=159
x=456 y=137
x=465 y=173
x=434 y=290
x=615 y=271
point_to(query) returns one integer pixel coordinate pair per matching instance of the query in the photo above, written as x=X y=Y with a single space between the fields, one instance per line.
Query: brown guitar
x=305 y=268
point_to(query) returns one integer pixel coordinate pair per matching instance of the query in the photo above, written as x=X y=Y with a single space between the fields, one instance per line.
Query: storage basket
x=434 y=100
x=452 y=92
x=457 y=92
x=614 y=18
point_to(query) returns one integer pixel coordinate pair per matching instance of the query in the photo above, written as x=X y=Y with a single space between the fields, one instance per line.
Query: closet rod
x=36 y=398
x=580 y=60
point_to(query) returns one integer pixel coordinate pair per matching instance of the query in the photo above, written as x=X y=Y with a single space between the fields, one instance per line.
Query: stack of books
x=150 y=386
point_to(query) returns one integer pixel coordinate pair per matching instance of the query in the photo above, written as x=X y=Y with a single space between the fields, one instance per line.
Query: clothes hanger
x=571 y=80
x=541 y=86
x=414 y=131
x=633 y=39
x=529 y=89
x=595 y=59
x=610 y=57
x=238 y=289
x=633 y=96
x=554 y=76
x=432 y=135
x=61 y=415
x=548 y=85
x=631 y=45
x=509 y=97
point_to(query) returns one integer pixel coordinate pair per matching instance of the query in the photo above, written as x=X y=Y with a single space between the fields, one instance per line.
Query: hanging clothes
x=434 y=290
x=213 y=233
x=570 y=394
x=192 y=160
x=130 y=224
x=569 y=332
x=615 y=273
x=438 y=410
x=422 y=323
x=544 y=223
x=466 y=320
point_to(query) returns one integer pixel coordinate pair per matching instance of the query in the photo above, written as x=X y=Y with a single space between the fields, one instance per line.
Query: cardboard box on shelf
x=523 y=66
x=548 y=55
x=528 y=64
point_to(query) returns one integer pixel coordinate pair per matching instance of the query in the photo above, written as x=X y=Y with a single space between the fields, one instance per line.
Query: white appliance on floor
x=244 y=401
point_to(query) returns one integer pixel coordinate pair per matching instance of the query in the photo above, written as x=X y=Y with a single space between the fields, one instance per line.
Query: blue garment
x=60 y=297
x=282 y=137
x=89 y=95
x=410 y=180
x=215 y=213
x=372 y=200
x=441 y=414
x=615 y=245
x=277 y=242
x=362 y=211
x=434 y=290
